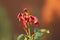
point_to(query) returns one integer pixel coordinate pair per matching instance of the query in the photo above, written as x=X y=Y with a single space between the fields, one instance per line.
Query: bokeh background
x=47 y=11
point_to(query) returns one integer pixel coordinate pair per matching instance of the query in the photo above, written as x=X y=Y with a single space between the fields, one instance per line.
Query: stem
x=29 y=30
x=28 y=24
x=25 y=31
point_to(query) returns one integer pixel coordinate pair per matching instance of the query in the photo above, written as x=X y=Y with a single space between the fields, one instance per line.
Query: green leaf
x=38 y=35
x=25 y=38
x=20 y=37
x=43 y=30
x=36 y=30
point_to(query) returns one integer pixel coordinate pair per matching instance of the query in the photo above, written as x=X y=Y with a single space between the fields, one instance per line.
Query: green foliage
x=20 y=36
x=37 y=34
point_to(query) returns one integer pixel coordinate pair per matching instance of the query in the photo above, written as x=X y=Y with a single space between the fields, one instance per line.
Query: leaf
x=43 y=30
x=25 y=38
x=36 y=30
x=20 y=36
x=38 y=35
x=31 y=38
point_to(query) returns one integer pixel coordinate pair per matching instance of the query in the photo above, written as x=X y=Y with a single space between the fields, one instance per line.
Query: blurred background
x=47 y=11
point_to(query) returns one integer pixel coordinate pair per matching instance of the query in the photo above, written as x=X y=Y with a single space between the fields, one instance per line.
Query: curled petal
x=20 y=16
x=32 y=18
x=35 y=20
x=37 y=24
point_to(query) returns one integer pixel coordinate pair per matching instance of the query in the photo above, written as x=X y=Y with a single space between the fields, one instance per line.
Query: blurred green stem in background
x=5 y=25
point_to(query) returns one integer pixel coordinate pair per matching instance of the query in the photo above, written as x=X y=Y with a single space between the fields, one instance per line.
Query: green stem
x=28 y=24
x=29 y=30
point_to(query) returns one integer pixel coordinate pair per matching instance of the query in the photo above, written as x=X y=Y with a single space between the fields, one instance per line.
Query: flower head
x=27 y=17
